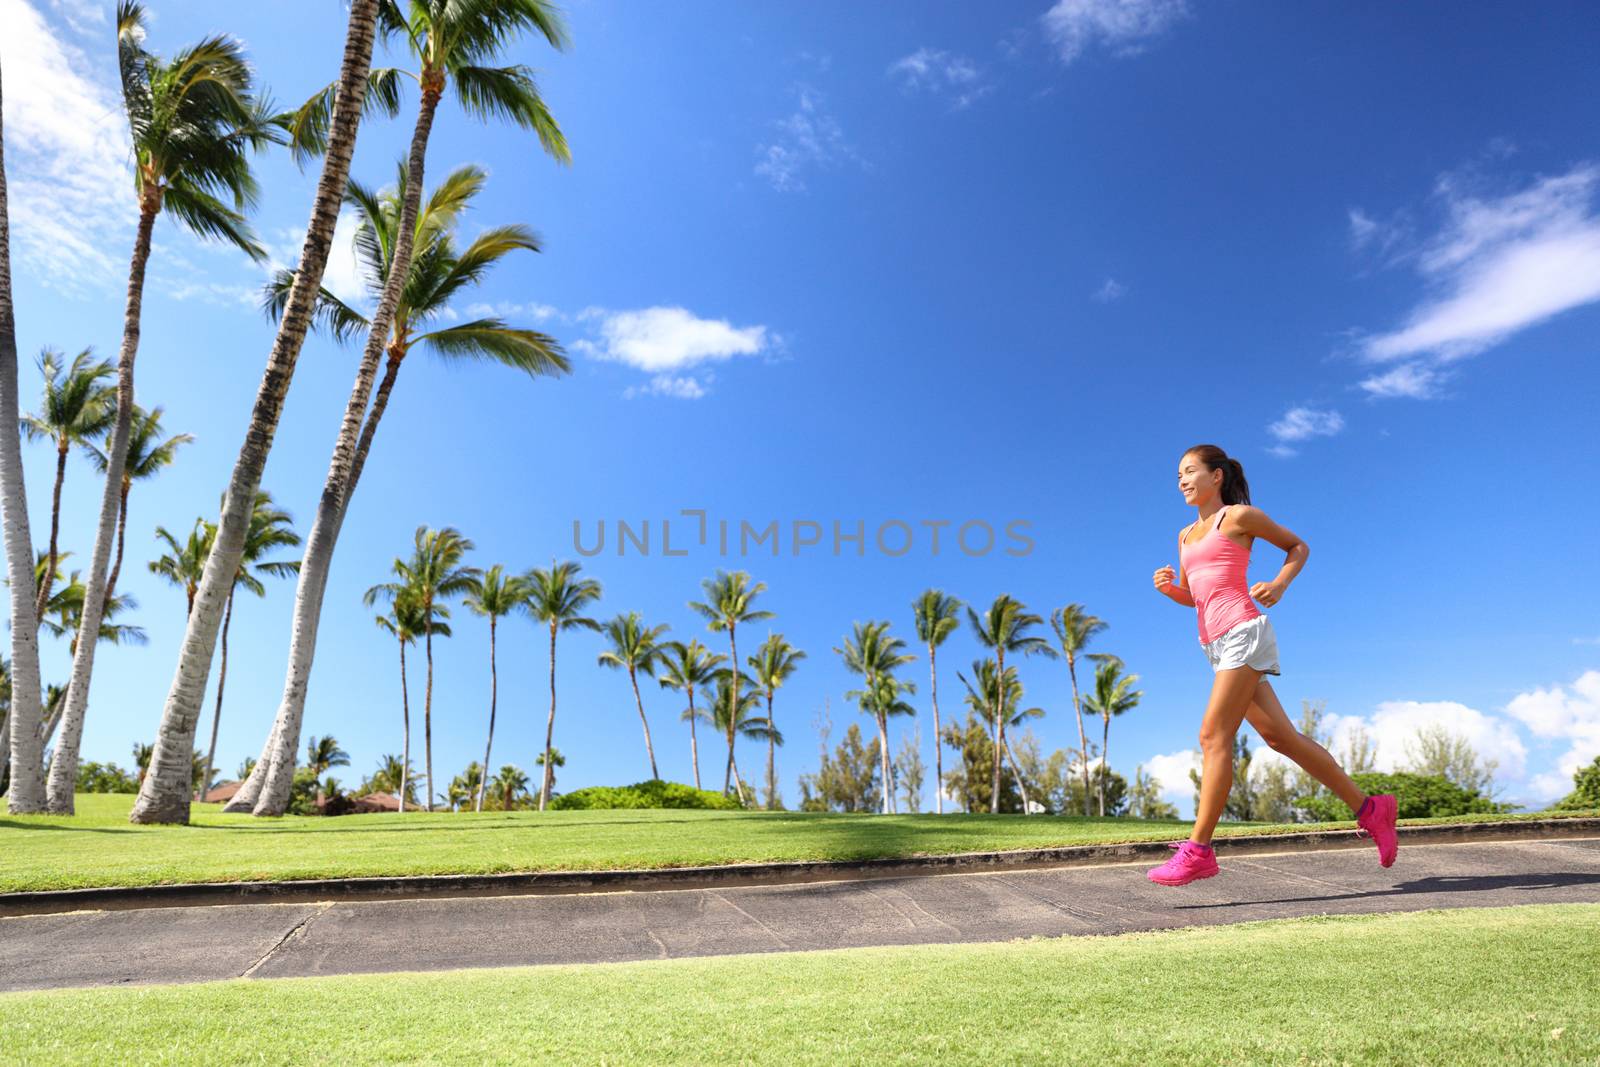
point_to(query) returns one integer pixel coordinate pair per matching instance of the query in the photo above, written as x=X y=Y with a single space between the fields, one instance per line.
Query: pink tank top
x=1215 y=569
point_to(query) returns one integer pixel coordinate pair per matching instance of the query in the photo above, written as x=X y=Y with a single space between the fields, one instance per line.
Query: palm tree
x=872 y=653
x=773 y=664
x=983 y=697
x=727 y=604
x=141 y=758
x=64 y=615
x=1074 y=629
x=464 y=786
x=1004 y=628
x=687 y=667
x=148 y=455
x=451 y=41
x=432 y=575
x=884 y=702
x=194 y=122
x=269 y=529
x=405 y=621
x=438 y=274
x=1113 y=694
x=392 y=776
x=558 y=597
x=495 y=596
x=184 y=562
x=164 y=797
x=548 y=761
x=935 y=612
x=19 y=728
x=76 y=408
x=511 y=782
x=635 y=648
x=324 y=753
x=734 y=715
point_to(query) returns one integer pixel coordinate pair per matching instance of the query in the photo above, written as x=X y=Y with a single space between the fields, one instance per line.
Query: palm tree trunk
x=1083 y=738
x=27 y=784
x=55 y=528
x=1105 y=768
x=405 y=722
x=550 y=724
x=648 y=747
x=122 y=529
x=694 y=748
x=64 y=764
x=938 y=745
x=883 y=757
x=222 y=680
x=733 y=687
x=736 y=779
x=999 y=726
x=772 y=776
x=344 y=470
x=427 y=705
x=494 y=694
x=1022 y=786
x=164 y=796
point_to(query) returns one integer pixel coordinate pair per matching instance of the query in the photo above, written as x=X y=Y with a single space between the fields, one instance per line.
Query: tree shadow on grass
x=1448 y=883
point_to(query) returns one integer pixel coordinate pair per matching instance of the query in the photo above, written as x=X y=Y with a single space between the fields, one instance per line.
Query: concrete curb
x=417 y=887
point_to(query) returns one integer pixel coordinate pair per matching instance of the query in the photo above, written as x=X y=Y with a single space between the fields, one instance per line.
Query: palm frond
x=209 y=217
x=511 y=93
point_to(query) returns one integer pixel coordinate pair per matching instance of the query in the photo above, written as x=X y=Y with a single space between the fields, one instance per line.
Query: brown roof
x=221 y=794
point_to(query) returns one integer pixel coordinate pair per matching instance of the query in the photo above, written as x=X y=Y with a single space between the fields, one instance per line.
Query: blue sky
x=906 y=262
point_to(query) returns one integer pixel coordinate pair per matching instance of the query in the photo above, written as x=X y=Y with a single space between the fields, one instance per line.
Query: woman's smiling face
x=1195 y=480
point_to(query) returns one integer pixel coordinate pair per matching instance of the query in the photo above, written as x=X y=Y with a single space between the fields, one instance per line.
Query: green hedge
x=1419 y=795
x=652 y=794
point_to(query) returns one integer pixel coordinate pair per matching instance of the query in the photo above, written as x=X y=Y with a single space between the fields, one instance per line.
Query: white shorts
x=1249 y=644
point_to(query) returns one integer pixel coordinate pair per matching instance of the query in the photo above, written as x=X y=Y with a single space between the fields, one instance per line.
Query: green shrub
x=652 y=794
x=1419 y=795
x=1585 y=789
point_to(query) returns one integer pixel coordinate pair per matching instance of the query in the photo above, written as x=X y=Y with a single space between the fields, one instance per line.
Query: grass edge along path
x=1464 y=986
x=98 y=848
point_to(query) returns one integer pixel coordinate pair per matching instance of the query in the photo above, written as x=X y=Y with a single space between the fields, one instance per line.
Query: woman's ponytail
x=1235 y=490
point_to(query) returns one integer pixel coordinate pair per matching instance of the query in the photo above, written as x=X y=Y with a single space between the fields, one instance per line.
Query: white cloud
x=1415 y=379
x=663 y=339
x=1282 y=451
x=807 y=139
x=505 y=309
x=1586 y=640
x=1570 y=714
x=344 y=275
x=84 y=16
x=1394 y=725
x=1171 y=770
x=684 y=387
x=217 y=293
x=67 y=155
x=940 y=73
x=1300 y=424
x=1110 y=290
x=1123 y=27
x=1498 y=264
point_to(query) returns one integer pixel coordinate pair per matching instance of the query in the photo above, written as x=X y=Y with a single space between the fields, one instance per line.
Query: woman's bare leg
x=1270 y=721
x=1231 y=694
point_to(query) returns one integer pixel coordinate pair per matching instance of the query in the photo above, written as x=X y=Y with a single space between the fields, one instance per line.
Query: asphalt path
x=195 y=944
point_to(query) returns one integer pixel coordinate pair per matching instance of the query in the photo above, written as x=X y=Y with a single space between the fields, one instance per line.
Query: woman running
x=1213 y=556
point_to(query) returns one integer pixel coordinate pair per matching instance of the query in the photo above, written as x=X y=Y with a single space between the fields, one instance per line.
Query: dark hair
x=1235 y=490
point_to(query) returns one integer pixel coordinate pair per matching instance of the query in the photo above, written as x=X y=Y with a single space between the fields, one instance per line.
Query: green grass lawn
x=1469 y=986
x=98 y=846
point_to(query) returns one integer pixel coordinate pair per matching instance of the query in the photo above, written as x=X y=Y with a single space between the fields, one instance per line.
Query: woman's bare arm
x=1174 y=590
x=1257 y=523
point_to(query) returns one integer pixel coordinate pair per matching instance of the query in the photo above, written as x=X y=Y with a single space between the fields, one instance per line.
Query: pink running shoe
x=1191 y=862
x=1378 y=824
